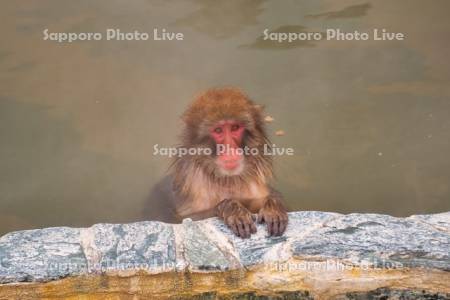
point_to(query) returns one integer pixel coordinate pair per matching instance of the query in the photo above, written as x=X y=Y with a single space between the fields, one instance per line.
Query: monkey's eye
x=234 y=127
x=218 y=130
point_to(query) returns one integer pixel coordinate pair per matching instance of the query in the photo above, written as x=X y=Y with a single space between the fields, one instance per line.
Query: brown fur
x=197 y=182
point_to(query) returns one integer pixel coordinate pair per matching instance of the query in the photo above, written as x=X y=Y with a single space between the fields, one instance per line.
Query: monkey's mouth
x=231 y=167
x=230 y=160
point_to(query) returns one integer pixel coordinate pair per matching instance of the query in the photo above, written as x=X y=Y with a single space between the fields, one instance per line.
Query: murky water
x=369 y=120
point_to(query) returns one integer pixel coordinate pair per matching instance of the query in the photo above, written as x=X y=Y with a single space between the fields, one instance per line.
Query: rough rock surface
x=318 y=252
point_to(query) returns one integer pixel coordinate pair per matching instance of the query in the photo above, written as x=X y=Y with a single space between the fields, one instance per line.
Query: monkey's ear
x=258 y=107
x=184 y=118
x=187 y=117
x=258 y=114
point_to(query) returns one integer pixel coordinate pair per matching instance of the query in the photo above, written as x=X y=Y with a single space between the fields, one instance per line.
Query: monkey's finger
x=247 y=229
x=233 y=227
x=275 y=226
x=270 y=228
x=238 y=230
x=268 y=221
x=253 y=227
x=283 y=225
x=284 y=220
x=260 y=218
x=241 y=229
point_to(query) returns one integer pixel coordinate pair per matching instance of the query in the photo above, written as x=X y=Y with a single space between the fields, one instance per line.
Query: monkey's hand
x=236 y=217
x=274 y=215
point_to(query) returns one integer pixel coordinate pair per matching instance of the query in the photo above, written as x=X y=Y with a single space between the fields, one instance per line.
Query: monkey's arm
x=274 y=214
x=237 y=217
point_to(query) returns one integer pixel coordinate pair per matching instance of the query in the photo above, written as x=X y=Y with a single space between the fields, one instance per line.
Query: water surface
x=369 y=121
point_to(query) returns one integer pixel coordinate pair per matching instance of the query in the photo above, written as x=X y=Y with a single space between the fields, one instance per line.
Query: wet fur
x=197 y=188
x=196 y=179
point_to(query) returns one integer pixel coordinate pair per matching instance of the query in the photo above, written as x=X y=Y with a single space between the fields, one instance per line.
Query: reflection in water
x=369 y=121
x=222 y=19
x=353 y=11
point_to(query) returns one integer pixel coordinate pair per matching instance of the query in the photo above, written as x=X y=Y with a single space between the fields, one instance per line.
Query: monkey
x=229 y=183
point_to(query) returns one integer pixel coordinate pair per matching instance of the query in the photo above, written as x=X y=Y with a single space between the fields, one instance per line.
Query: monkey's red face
x=228 y=136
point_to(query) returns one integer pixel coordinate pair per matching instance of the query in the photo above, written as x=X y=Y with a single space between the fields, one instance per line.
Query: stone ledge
x=320 y=255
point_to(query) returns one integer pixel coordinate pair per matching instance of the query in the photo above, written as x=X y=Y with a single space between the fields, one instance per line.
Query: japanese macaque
x=231 y=179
